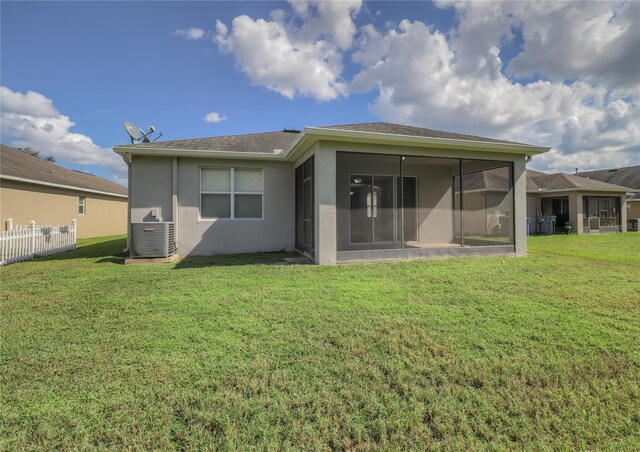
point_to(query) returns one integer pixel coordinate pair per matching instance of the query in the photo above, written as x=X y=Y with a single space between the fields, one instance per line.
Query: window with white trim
x=230 y=193
x=82 y=205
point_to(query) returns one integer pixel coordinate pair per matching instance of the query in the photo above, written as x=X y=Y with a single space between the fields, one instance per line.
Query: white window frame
x=232 y=193
x=82 y=202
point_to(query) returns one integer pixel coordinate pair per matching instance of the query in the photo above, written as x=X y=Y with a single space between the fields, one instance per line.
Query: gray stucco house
x=335 y=193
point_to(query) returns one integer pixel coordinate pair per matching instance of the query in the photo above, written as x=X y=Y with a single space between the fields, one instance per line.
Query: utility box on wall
x=152 y=239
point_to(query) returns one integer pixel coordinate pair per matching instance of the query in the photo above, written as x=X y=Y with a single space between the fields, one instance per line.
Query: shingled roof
x=627 y=177
x=492 y=179
x=267 y=142
x=537 y=181
x=400 y=129
x=18 y=164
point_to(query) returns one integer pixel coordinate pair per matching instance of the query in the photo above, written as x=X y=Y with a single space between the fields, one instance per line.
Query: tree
x=28 y=150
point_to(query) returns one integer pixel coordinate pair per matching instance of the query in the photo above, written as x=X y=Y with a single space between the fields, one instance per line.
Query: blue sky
x=73 y=72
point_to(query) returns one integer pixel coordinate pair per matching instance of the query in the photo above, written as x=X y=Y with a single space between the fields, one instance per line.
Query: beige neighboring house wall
x=575 y=208
x=533 y=201
x=32 y=189
x=633 y=208
x=51 y=206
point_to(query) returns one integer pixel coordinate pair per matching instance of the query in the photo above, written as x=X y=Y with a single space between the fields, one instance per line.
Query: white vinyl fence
x=21 y=243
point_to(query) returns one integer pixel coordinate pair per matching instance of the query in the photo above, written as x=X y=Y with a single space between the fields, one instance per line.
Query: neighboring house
x=335 y=193
x=38 y=190
x=589 y=206
x=627 y=177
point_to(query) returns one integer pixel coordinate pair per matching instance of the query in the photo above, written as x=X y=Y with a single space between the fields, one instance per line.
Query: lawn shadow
x=232 y=260
x=111 y=260
x=107 y=251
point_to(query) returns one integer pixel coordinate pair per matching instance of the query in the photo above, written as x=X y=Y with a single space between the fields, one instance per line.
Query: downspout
x=127 y=160
x=461 y=205
x=174 y=198
x=402 y=201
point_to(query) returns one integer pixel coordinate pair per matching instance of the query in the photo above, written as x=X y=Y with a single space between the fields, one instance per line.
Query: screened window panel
x=407 y=191
x=308 y=169
x=300 y=205
x=214 y=179
x=487 y=203
x=382 y=208
x=216 y=206
x=360 y=209
x=248 y=180
x=601 y=213
x=308 y=199
x=308 y=231
x=304 y=207
x=457 y=211
x=248 y=206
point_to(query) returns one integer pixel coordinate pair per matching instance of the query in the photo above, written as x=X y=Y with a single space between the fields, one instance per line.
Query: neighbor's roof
x=491 y=179
x=541 y=182
x=267 y=142
x=496 y=179
x=627 y=177
x=19 y=166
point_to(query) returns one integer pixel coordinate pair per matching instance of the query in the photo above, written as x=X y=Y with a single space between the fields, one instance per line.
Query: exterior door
x=304 y=207
x=560 y=208
x=371 y=209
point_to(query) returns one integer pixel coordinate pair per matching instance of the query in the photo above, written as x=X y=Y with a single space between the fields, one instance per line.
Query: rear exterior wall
x=152 y=188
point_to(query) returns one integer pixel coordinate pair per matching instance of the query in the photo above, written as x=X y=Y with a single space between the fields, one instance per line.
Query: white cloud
x=191 y=33
x=574 y=86
x=457 y=84
x=31 y=120
x=593 y=41
x=328 y=20
x=299 y=55
x=214 y=117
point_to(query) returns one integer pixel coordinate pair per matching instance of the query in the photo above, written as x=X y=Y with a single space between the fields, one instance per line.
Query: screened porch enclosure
x=601 y=214
x=392 y=202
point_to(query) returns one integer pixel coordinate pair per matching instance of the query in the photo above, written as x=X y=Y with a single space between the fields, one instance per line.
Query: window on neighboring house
x=82 y=205
x=232 y=193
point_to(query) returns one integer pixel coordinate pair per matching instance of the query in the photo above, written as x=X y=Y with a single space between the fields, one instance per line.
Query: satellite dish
x=138 y=135
x=133 y=131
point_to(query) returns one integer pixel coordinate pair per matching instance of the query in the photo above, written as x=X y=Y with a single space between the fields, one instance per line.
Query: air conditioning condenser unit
x=152 y=239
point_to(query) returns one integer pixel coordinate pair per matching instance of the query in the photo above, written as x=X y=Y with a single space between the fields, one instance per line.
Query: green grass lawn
x=234 y=352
